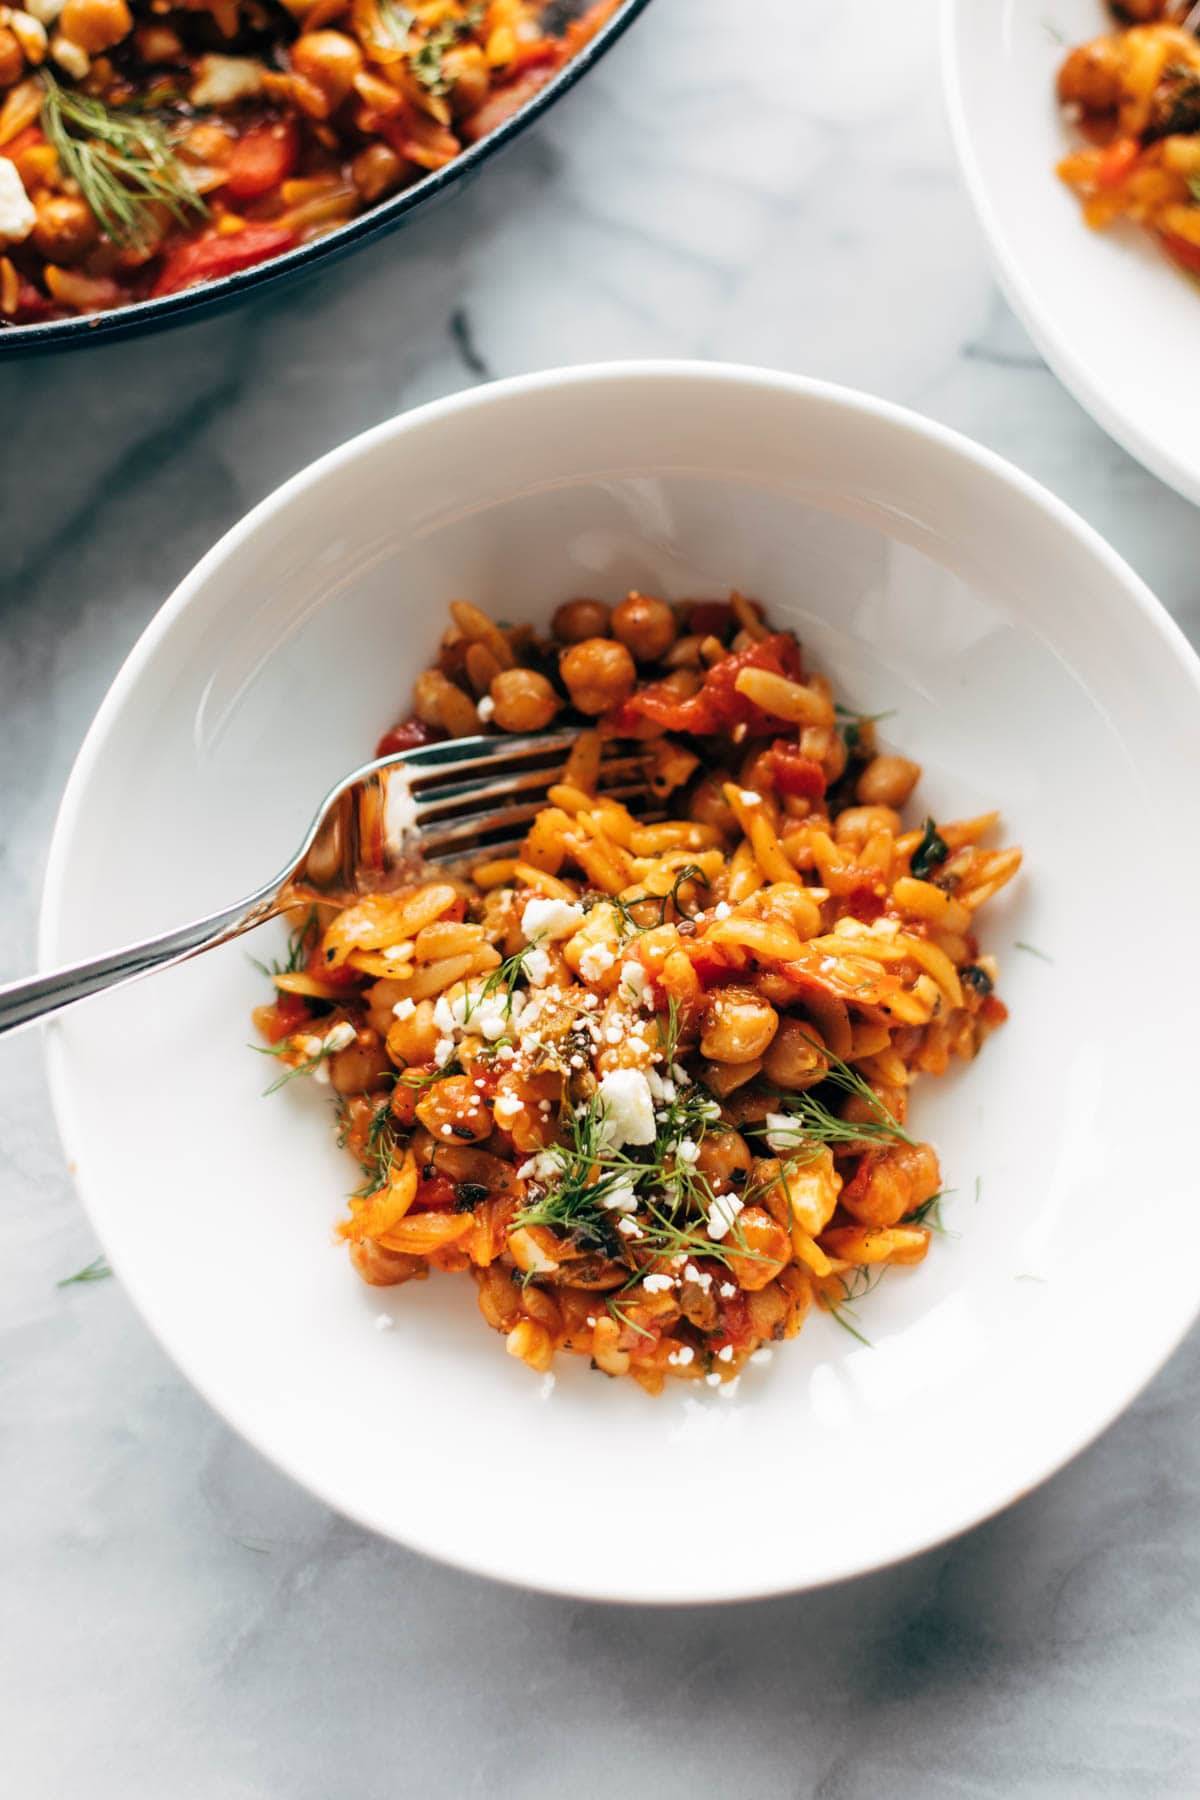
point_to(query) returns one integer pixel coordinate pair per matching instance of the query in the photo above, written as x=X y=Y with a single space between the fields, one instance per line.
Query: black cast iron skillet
x=171 y=309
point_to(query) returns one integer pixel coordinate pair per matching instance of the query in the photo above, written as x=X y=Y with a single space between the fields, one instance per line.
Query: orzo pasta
x=147 y=146
x=647 y=1084
x=1135 y=95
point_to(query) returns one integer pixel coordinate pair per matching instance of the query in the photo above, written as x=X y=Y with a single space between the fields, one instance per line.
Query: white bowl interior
x=1026 y=669
x=1113 y=316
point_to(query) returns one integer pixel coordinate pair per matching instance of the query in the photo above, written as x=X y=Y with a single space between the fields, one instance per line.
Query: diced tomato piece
x=24 y=140
x=1182 y=251
x=864 y=903
x=210 y=257
x=733 y=1316
x=261 y=158
x=709 y=618
x=403 y=1104
x=711 y=961
x=435 y=1193
x=795 y=773
x=288 y=1014
x=1117 y=162
x=409 y=734
x=718 y=706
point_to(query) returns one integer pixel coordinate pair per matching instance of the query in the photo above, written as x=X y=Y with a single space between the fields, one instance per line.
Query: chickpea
x=1091 y=76
x=524 y=700
x=737 y=1025
x=794 y=1060
x=414 y=1040
x=454 y=1110
x=386 y=1268
x=362 y=1067
x=768 y=1249
x=428 y=689
x=645 y=626
x=576 y=620
x=95 y=25
x=376 y=170
x=887 y=781
x=855 y=824
x=725 y=1160
x=330 y=60
x=599 y=674
x=12 y=59
x=894 y=1184
x=65 y=229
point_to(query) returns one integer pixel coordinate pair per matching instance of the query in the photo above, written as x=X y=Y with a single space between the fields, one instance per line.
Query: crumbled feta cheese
x=761 y=1356
x=729 y=1388
x=708 y=1109
x=486 y=708
x=596 y=961
x=682 y=1357
x=686 y=1150
x=613 y=1033
x=713 y=1380
x=658 y=1284
x=71 y=57
x=321 y=1074
x=701 y=1277
x=629 y=1227
x=783 y=1132
x=628 y=1109
x=551 y=918
x=484 y=1015
x=340 y=1037
x=443 y=1050
x=507 y=1109
x=722 y=909
x=404 y=1009
x=310 y=1047
x=662 y=1090
x=537 y=968
x=725 y=1353
x=634 y=982
x=722 y=1211
x=44 y=11
x=727 y=1290
x=578 y=1061
x=17 y=216
x=224 y=80
x=679 y=1075
x=748 y=797
x=620 y=1198
x=384 y=1321
x=545 y=1166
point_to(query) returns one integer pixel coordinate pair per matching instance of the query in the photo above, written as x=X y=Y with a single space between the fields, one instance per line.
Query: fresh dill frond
x=121 y=160
x=96 y=1270
x=378 y=1152
x=617 y=1312
x=305 y=1067
x=856 y=1284
x=506 y=977
x=299 y=944
x=930 y=1213
x=426 y=1077
x=1032 y=950
x=632 y=926
x=817 y=1125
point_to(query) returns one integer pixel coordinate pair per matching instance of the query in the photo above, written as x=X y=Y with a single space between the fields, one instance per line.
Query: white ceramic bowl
x=1026 y=665
x=1114 y=318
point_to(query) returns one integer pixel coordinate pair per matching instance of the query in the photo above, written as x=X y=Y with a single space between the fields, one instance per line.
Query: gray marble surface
x=177 y=1619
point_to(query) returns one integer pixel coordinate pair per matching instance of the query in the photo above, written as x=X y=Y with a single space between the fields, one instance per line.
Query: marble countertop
x=178 y=1619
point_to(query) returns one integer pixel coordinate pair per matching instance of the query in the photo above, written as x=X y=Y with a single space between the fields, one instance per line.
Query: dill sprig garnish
x=122 y=162
x=816 y=1125
x=378 y=1152
x=632 y=926
x=299 y=944
x=96 y=1270
x=305 y=1067
x=511 y=971
x=855 y=1284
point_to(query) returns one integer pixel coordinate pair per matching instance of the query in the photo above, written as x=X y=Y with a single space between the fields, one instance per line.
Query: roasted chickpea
x=330 y=60
x=414 y=1039
x=725 y=1160
x=362 y=1067
x=576 y=620
x=386 y=1268
x=376 y=170
x=887 y=781
x=767 y=1245
x=855 y=824
x=645 y=626
x=523 y=699
x=794 y=1059
x=1091 y=76
x=65 y=229
x=95 y=25
x=737 y=1025
x=454 y=1110
x=599 y=674
x=12 y=59
x=892 y=1185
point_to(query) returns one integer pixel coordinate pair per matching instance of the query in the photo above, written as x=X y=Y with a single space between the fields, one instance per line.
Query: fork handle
x=23 y=1002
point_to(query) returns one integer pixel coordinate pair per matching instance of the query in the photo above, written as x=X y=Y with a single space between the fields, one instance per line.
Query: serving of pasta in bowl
x=750 y=1118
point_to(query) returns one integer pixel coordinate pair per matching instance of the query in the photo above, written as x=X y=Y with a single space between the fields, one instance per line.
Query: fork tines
x=482 y=793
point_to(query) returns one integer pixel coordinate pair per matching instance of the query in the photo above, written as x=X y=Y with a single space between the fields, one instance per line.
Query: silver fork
x=442 y=801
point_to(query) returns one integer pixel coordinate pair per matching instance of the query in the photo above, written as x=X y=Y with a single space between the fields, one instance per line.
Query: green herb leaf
x=930 y=852
x=122 y=161
x=96 y=1270
x=1032 y=950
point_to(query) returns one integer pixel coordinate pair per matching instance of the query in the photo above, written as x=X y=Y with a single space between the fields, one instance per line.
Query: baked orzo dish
x=647 y=1084
x=148 y=146
x=1134 y=94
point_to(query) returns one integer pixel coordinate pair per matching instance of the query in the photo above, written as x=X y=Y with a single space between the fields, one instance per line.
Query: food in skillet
x=146 y=147
x=1135 y=95
x=648 y=1084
